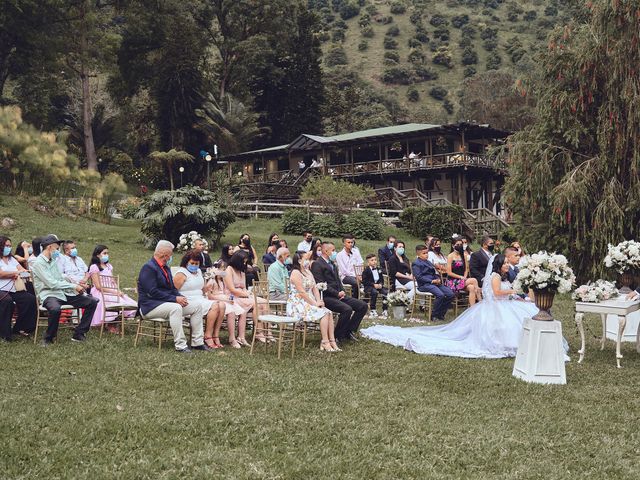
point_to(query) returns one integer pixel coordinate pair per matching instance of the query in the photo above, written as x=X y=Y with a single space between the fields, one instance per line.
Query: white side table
x=619 y=307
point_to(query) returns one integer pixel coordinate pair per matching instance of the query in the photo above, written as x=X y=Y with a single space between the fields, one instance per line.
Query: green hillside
x=421 y=51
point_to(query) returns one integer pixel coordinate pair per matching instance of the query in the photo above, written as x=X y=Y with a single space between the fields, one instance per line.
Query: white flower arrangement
x=187 y=241
x=398 y=298
x=544 y=270
x=624 y=256
x=595 y=292
x=322 y=286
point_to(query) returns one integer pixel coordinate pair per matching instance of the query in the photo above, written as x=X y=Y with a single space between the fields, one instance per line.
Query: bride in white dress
x=489 y=329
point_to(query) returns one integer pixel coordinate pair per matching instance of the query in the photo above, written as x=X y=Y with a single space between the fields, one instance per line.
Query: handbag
x=19 y=285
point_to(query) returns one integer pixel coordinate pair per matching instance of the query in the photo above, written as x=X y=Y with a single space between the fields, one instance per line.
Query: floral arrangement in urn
x=187 y=241
x=595 y=292
x=545 y=271
x=624 y=256
x=399 y=298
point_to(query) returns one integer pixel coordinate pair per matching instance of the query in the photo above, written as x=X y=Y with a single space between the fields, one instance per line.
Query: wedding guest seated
x=235 y=282
x=36 y=249
x=386 y=253
x=400 y=271
x=278 y=275
x=269 y=257
x=159 y=298
x=350 y=310
x=305 y=244
x=101 y=267
x=347 y=259
x=13 y=291
x=190 y=283
x=245 y=245
x=513 y=259
x=458 y=272
x=225 y=255
x=372 y=281
x=54 y=291
x=428 y=280
x=199 y=246
x=22 y=253
x=480 y=259
x=216 y=291
x=306 y=305
x=71 y=265
x=436 y=257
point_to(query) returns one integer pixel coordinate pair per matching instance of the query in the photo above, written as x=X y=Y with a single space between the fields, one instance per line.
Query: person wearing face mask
x=480 y=259
x=305 y=304
x=400 y=276
x=22 y=253
x=458 y=272
x=190 y=283
x=306 y=244
x=245 y=245
x=159 y=298
x=10 y=271
x=278 y=275
x=350 y=310
x=386 y=253
x=100 y=266
x=54 y=291
x=436 y=257
x=71 y=266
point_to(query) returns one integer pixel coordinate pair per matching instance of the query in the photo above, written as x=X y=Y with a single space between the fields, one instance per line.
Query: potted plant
x=399 y=301
x=595 y=292
x=188 y=240
x=624 y=258
x=546 y=274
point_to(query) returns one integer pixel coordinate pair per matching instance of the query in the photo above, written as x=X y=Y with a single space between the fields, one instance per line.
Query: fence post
x=308 y=211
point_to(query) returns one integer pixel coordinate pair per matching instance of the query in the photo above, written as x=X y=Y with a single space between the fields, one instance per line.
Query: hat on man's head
x=49 y=240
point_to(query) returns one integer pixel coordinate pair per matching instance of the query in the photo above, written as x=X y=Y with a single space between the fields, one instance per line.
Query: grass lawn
x=103 y=409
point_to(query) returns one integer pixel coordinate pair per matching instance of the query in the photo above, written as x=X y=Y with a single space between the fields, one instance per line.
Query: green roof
x=375 y=132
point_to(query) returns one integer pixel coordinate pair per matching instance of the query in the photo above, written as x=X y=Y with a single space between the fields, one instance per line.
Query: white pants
x=410 y=288
x=175 y=313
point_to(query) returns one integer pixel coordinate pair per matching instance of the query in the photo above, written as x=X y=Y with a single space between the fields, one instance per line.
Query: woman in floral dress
x=304 y=303
x=458 y=272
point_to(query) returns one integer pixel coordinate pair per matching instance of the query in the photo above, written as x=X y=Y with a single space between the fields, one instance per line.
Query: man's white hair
x=164 y=245
x=281 y=251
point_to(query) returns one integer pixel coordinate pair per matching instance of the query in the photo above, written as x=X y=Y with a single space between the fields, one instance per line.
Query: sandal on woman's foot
x=325 y=346
x=243 y=341
x=208 y=341
x=334 y=345
x=261 y=338
x=235 y=344
x=216 y=342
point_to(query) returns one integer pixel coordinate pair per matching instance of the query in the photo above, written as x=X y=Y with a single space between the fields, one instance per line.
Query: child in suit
x=372 y=281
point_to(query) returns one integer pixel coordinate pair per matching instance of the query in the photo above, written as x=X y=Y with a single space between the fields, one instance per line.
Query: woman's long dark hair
x=296 y=261
x=270 y=241
x=404 y=255
x=4 y=240
x=95 y=260
x=237 y=261
x=464 y=260
x=224 y=254
x=497 y=264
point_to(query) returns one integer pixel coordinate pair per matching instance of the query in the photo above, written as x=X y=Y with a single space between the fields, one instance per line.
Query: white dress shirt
x=73 y=269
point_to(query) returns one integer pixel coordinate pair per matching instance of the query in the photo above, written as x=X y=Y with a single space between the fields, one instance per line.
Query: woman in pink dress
x=235 y=284
x=216 y=290
x=100 y=267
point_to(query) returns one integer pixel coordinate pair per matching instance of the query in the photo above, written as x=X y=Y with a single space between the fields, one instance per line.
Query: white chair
x=262 y=322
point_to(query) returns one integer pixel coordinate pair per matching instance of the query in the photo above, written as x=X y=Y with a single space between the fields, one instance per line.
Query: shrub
x=438 y=20
x=493 y=61
x=326 y=225
x=365 y=225
x=324 y=36
x=367 y=32
x=530 y=16
x=438 y=93
x=441 y=222
x=336 y=56
x=468 y=31
x=416 y=56
x=393 y=31
x=384 y=20
x=422 y=37
x=489 y=33
x=490 y=44
x=413 y=95
x=469 y=56
x=415 y=17
x=460 y=20
x=295 y=221
x=424 y=73
x=364 y=21
x=363 y=45
x=465 y=42
x=338 y=35
x=469 y=72
x=349 y=10
x=398 y=8
x=390 y=43
x=393 y=56
x=336 y=196
x=414 y=43
x=448 y=106
x=442 y=33
x=397 y=75
x=167 y=214
x=551 y=11
x=443 y=57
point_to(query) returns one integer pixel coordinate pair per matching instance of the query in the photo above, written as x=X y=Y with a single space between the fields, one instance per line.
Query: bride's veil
x=487 y=289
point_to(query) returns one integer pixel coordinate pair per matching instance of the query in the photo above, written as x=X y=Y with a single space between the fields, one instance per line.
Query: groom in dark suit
x=480 y=259
x=513 y=258
x=351 y=311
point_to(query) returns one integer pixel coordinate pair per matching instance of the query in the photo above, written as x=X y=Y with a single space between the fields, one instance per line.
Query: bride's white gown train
x=490 y=329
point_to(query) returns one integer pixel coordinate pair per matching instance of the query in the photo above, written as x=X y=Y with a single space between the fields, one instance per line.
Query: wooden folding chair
x=109 y=289
x=42 y=318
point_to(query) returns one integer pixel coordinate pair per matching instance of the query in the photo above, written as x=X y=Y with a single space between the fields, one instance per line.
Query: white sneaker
x=373 y=313
x=385 y=314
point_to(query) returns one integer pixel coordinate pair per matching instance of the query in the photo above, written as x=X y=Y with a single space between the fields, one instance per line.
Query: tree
x=168 y=159
x=574 y=184
x=494 y=98
x=336 y=196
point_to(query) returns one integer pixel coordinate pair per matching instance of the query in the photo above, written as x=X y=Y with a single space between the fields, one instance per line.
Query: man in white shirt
x=72 y=267
x=347 y=259
x=305 y=245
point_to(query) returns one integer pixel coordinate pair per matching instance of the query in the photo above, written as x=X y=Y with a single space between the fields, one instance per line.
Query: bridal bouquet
x=188 y=240
x=624 y=256
x=322 y=286
x=398 y=298
x=595 y=292
x=544 y=270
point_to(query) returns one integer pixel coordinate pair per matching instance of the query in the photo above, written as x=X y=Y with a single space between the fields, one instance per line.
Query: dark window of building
x=283 y=164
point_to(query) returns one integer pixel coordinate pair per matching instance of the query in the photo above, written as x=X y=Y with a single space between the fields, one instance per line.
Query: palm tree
x=168 y=160
x=228 y=123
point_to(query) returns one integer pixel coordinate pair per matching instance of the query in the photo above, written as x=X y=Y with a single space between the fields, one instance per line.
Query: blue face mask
x=170 y=260
x=390 y=245
x=333 y=256
x=73 y=252
x=288 y=261
x=6 y=251
x=400 y=251
x=104 y=259
x=193 y=268
x=30 y=251
x=55 y=254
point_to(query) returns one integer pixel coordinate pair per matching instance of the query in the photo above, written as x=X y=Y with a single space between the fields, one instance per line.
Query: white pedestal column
x=540 y=357
x=630 y=330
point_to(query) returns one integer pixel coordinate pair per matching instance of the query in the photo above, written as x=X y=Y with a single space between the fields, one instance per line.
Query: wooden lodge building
x=439 y=164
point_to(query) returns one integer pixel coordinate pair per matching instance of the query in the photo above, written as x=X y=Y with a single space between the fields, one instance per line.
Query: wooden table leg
x=603 y=316
x=579 y=319
x=622 y=322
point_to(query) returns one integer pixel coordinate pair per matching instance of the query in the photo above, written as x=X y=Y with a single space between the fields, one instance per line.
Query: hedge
x=441 y=222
